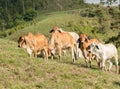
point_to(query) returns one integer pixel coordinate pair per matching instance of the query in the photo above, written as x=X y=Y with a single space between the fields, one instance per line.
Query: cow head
x=21 y=41
x=83 y=38
x=56 y=30
x=93 y=48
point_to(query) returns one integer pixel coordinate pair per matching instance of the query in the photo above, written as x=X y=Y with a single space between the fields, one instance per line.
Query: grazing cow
x=60 y=41
x=75 y=37
x=104 y=53
x=84 y=42
x=34 y=44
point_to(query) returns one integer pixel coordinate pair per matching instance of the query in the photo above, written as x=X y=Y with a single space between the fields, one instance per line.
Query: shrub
x=91 y=14
x=29 y=15
x=115 y=40
x=99 y=13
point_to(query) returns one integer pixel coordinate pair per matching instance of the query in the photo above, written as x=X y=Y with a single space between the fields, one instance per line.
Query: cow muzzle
x=89 y=51
x=19 y=46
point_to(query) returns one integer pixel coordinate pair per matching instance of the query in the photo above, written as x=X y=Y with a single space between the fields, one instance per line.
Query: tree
x=108 y=2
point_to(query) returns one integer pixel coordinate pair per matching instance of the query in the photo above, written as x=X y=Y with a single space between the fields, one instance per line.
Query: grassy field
x=19 y=71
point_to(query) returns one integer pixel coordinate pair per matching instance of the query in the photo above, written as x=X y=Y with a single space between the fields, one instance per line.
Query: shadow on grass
x=49 y=58
x=83 y=65
x=116 y=83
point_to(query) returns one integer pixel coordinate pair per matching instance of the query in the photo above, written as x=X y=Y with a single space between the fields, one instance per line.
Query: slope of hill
x=67 y=20
x=77 y=21
x=18 y=71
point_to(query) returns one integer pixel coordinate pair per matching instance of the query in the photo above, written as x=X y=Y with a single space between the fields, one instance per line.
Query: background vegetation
x=18 y=17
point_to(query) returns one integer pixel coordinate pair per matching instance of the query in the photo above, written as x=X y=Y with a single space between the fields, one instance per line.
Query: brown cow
x=34 y=44
x=61 y=40
x=84 y=43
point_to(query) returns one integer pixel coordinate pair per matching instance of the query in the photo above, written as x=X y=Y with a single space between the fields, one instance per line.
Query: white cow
x=104 y=53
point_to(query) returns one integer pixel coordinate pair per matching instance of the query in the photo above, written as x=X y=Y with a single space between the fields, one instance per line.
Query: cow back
x=63 y=39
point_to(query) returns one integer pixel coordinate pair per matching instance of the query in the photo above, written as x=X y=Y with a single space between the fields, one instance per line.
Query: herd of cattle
x=80 y=46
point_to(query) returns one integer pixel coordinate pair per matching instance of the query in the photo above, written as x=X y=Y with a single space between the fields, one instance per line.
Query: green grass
x=19 y=71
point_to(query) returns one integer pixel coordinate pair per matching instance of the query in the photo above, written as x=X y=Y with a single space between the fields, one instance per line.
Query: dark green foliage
x=92 y=12
x=115 y=40
x=99 y=13
x=13 y=12
x=29 y=15
x=114 y=12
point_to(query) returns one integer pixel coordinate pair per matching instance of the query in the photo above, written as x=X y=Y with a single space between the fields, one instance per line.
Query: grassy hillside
x=95 y=21
x=18 y=71
x=74 y=20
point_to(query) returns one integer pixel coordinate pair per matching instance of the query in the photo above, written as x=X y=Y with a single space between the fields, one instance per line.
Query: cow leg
x=90 y=59
x=86 y=55
x=29 y=51
x=73 y=55
x=64 y=52
x=52 y=56
x=116 y=63
x=90 y=62
x=76 y=52
x=98 y=62
x=86 y=62
x=59 y=53
x=103 y=65
x=52 y=53
x=110 y=65
x=35 y=53
x=46 y=53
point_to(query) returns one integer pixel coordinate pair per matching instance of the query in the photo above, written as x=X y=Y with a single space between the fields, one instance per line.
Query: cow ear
x=25 y=40
x=96 y=46
x=51 y=31
x=59 y=31
x=79 y=40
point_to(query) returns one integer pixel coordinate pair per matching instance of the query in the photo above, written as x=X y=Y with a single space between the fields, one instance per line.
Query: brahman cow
x=104 y=53
x=60 y=41
x=76 y=37
x=84 y=42
x=34 y=44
